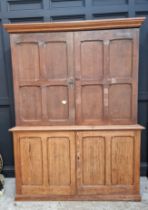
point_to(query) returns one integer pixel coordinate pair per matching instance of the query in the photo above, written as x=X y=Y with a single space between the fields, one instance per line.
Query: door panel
x=92 y=106
x=44 y=61
x=90 y=162
x=106 y=162
x=61 y=162
x=28 y=61
x=30 y=103
x=57 y=103
x=106 y=60
x=47 y=163
x=122 y=160
x=31 y=160
x=92 y=59
x=121 y=56
x=120 y=101
x=56 y=60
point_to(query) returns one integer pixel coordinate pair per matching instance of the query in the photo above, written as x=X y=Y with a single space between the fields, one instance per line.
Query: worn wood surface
x=73 y=163
x=75 y=25
x=67 y=78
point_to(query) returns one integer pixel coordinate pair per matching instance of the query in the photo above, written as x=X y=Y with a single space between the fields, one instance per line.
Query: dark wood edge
x=124 y=197
x=75 y=25
x=75 y=127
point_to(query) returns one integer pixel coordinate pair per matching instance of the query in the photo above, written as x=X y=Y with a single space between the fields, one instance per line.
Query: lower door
x=46 y=163
x=106 y=162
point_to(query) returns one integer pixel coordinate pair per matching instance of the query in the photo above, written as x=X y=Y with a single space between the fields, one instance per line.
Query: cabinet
x=64 y=78
x=77 y=163
x=75 y=90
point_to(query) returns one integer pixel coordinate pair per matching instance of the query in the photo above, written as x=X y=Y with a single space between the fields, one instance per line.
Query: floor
x=7 y=201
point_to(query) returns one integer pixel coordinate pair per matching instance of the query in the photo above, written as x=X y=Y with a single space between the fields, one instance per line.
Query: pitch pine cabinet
x=74 y=75
x=77 y=162
x=75 y=89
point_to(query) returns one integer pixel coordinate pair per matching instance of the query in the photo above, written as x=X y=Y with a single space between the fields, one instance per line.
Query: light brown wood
x=45 y=172
x=65 y=78
x=75 y=25
x=36 y=75
x=76 y=88
x=113 y=197
x=102 y=76
x=77 y=127
x=101 y=164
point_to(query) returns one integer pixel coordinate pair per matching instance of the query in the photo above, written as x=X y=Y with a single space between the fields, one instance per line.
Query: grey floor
x=7 y=201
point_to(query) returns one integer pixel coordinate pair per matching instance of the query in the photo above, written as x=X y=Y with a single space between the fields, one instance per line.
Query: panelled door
x=43 y=78
x=107 y=162
x=46 y=163
x=106 y=76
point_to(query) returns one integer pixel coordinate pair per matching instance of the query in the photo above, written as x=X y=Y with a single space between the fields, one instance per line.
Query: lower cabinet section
x=77 y=164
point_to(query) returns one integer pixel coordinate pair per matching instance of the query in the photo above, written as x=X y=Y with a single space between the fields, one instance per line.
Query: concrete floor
x=7 y=201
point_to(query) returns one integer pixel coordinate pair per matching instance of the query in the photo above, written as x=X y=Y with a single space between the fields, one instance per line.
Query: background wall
x=13 y=11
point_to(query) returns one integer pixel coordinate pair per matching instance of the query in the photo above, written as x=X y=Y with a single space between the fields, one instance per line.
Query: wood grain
x=75 y=25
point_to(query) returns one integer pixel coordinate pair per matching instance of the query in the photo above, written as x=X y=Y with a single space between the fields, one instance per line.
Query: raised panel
x=59 y=161
x=31 y=161
x=122 y=160
x=30 y=103
x=28 y=61
x=92 y=59
x=120 y=101
x=92 y=102
x=121 y=58
x=93 y=153
x=58 y=103
x=56 y=60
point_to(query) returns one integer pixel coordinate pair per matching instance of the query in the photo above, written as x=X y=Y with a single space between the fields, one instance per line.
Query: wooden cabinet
x=75 y=89
x=64 y=78
x=78 y=163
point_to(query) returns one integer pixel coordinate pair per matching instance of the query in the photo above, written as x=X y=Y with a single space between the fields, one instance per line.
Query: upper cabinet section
x=76 y=73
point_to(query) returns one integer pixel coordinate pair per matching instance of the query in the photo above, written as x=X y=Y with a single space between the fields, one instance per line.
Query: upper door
x=43 y=78
x=106 y=68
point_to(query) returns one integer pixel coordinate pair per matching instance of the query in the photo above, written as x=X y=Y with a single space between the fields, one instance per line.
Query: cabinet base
x=127 y=197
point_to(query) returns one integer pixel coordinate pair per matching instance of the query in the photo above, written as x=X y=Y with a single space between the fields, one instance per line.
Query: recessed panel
x=120 y=101
x=91 y=59
x=65 y=3
x=15 y=5
x=93 y=158
x=59 y=163
x=31 y=160
x=57 y=103
x=122 y=160
x=56 y=60
x=30 y=103
x=121 y=55
x=109 y=2
x=28 y=61
x=92 y=99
